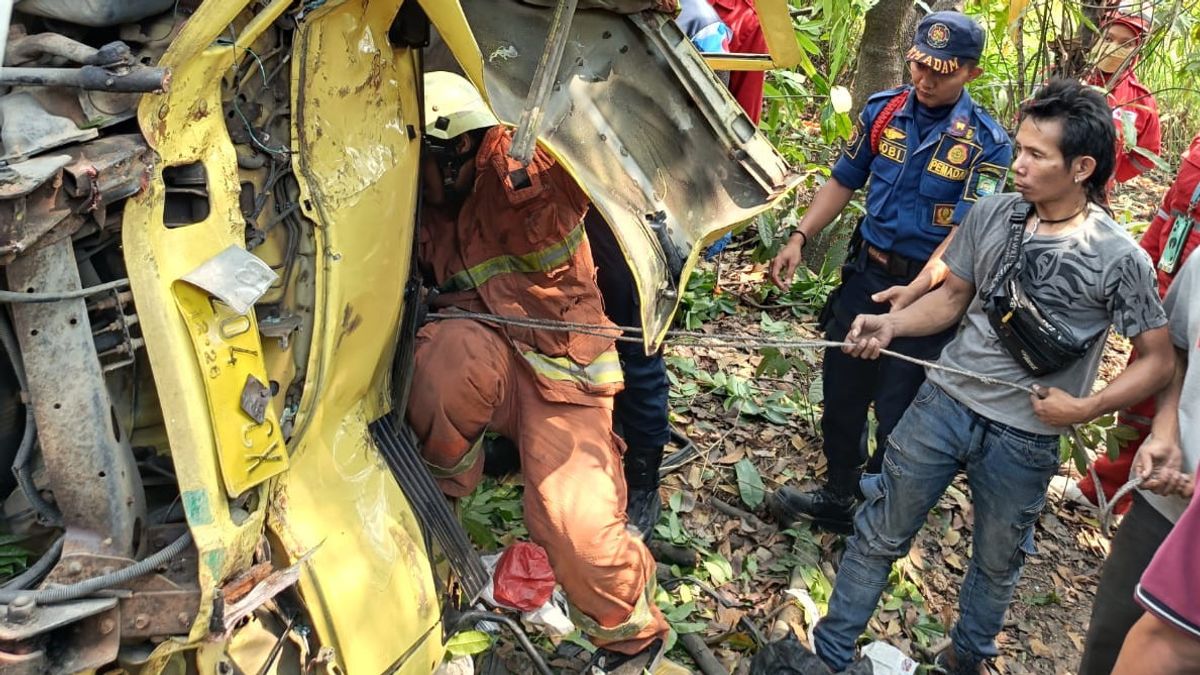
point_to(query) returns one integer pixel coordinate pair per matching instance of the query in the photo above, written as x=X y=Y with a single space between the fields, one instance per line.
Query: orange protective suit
x=521 y=252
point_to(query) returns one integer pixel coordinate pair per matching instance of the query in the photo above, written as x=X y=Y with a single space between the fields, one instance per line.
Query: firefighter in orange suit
x=508 y=240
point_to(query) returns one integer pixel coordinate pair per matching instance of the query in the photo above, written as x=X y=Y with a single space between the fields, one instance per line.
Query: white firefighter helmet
x=453 y=106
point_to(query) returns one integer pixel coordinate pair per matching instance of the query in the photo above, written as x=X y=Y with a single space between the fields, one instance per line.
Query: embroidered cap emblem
x=938 y=36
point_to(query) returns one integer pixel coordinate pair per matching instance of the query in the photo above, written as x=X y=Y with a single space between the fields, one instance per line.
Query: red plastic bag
x=523 y=578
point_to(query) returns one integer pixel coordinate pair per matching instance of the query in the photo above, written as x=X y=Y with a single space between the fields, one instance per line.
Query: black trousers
x=1114 y=611
x=640 y=410
x=853 y=385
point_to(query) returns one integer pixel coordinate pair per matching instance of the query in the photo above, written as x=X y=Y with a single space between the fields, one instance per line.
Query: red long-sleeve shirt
x=745 y=85
x=1177 y=200
x=1130 y=99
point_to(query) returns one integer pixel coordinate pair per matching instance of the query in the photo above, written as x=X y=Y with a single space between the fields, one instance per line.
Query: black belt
x=893 y=263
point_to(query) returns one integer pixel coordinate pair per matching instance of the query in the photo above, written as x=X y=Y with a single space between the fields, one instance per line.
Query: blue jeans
x=1008 y=471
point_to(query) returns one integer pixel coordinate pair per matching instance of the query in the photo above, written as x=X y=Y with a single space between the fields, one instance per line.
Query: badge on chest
x=952 y=158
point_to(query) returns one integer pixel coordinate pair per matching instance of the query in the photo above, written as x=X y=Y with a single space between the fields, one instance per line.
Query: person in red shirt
x=745 y=85
x=1135 y=112
x=1179 y=207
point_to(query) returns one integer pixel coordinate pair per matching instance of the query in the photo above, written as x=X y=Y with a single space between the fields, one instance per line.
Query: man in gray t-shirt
x=1086 y=274
x=1091 y=277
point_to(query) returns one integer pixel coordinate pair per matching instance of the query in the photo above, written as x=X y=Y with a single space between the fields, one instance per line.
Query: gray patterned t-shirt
x=1090 y=278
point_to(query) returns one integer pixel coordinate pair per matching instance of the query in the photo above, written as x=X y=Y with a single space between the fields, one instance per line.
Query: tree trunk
x=889 y=31
x=880 y=62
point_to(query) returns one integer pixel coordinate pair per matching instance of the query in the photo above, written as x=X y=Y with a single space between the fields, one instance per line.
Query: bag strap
x=884 y=118
x=1195 y=198
x=1011 y=262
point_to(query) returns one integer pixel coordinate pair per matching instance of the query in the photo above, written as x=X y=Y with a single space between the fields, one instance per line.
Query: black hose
x=36 y=571
x=21 y=469
x=50 y=596
x=464 y=620
x=17 y=296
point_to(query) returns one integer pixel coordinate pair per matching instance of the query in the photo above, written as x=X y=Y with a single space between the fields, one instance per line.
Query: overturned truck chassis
x=118 y=572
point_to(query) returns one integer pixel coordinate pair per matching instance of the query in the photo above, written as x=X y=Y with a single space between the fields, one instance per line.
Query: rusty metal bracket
x=90 y=466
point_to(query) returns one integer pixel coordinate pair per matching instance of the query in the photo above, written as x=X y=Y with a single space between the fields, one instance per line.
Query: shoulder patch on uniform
x=986 y=179
x=854 y=144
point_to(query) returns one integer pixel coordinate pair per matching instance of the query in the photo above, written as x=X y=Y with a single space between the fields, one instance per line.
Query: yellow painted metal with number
x=369 y=586
x=229 y=352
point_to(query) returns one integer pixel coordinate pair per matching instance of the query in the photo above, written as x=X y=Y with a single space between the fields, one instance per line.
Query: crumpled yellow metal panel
x=186 y=125
x=368 y=586
x=643 y=125
x=229 y=351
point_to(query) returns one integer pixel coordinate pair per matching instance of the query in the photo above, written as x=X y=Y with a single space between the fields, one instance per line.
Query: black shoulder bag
x=1035 y=338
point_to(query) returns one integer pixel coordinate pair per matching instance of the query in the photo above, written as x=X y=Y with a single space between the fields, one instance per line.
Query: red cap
x=1138 y=22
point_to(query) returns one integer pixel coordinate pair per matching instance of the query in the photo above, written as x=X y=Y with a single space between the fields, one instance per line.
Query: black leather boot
x=644 y=505
x=826 y=507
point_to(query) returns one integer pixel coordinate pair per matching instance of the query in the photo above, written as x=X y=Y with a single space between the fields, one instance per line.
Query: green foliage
x=469 y=643
x=13 y=559
x=492 y=515
x=807 y=294
x=1102 y=434
x=750 y=483
x=702 y=301
x=1048 y=38
x=1050 y=597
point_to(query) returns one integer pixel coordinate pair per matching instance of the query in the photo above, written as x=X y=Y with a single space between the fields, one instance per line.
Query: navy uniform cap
x=944 y=40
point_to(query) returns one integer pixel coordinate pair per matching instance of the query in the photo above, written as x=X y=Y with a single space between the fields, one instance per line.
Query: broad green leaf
x=680 y=612
x=1154 y=159
x=750 y=484
x=469 y=643
x=719 y=569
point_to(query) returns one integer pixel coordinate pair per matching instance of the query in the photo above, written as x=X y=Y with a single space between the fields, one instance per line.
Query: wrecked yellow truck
x=206 y=237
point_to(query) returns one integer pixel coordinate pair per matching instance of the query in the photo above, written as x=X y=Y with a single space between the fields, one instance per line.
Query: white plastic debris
x=811 y=613
x=459 y=665
x=887 y=660
x=551 y=618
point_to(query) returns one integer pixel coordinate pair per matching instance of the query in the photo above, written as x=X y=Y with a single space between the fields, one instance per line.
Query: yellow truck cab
x=207 y=215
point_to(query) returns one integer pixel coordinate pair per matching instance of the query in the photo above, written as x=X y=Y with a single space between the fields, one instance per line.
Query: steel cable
x=749 y=342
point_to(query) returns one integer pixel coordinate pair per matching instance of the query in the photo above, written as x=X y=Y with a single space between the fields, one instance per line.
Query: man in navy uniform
x=926 y=153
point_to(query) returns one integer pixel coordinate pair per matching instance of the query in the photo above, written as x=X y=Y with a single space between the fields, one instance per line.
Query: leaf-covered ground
x=753 y=417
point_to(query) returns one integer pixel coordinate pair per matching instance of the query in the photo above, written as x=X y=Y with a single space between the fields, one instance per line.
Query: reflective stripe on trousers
x=605 y=369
